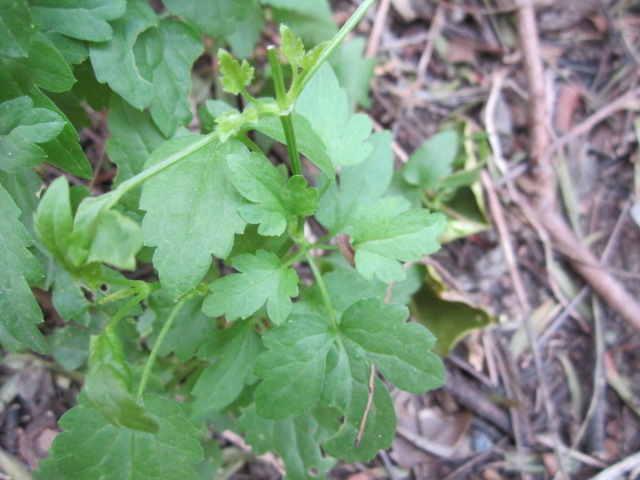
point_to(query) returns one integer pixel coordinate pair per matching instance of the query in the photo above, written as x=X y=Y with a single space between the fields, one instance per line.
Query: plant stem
x=323 y=290
x=156 y=347
x=298 y=86
x=126 y=307
x=286 y=120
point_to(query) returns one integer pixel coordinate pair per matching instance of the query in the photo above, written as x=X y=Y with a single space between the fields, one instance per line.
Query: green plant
x=301 y=378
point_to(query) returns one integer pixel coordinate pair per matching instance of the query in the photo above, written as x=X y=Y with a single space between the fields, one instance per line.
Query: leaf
x=213 y=18
x=385 y=233
x=294 y=367
x=232 y=121
x=309 y=19
x=69 y=346
x=164 y=56
x=354 y=70
x=235 y=76
x=114 y=61
x=450 y=320
x=381 y=421
x=81 y=19
x=433 y=160
x=309 y=142
x=323 y=103
x=133 y=137
x=263 y=280
x=296 y=439
x=246 y=33
x=310 y=362
x=359 y=185
x=192 y=212
x=91 y=448
x=22 y=127
x=275 y=202
x=108 y=383
x=20 y=310
x=97 y=234
x=399 y=349
x=292 y=47
x=64 y=151
x=17 y=27
x=234 y=351
x=47 y=67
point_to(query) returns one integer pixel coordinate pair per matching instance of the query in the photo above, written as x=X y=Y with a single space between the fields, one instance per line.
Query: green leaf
x=20 y=310
x=81 y=19
x=399 y=349
x=54 y=221
x=296 y=439
x=309 y=19
x=91 y=448
x=433 y=160
x=245 y=35
x=263 y=280
x=47 y=67
x=114 y=61
x=234 y=351
x=274 y=201
x=192 y=212
x=231 y=122
x=325 y=106
x=164 y=56
x=385 y=233
x=190 y=328
x=361 y=184
x=69 y=298
x=450 y=321
x=108 y=383
x=292 y=47
x=70 y=346
x=133 y=137
x=21 y=128
x=96 y=235
x=354 y=70
x=235 y=76
x=17 y=28
x=24 y=187
x=380 y=426
x=309 y=142
x=213 y=18
x=294 y=367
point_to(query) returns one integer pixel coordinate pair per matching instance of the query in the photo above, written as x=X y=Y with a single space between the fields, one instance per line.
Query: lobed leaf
x=81 y=19
x=323 y=103
x=91 y=448
x=263 y=280
x=192 y=212
x=20 y=310
x=234 y=351
x=385 y=233
x=235 y=76
x=296 y=439
x=274 y=201
x=433 y=161
x=164 y=56
x=213 y=18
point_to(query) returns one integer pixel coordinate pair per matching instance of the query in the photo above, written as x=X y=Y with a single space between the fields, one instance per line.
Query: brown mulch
x=553 y=389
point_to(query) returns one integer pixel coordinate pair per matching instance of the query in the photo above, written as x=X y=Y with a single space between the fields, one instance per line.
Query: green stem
x=323 y=290
x=146 y=174
x=156 y=347
x=298 y=86
x=126 y=307
x=286 y=120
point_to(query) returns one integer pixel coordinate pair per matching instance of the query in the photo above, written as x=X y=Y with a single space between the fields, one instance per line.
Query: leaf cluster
x=251 y=313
